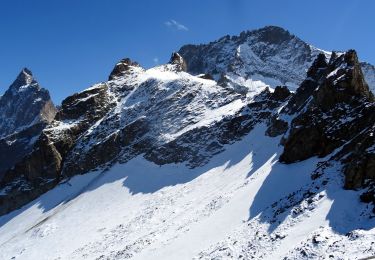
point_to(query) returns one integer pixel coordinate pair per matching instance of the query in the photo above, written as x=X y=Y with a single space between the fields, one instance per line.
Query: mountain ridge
x=271 y=54
x=164 y=158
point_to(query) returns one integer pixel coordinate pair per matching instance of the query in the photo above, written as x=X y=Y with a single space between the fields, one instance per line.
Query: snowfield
x=248 y=206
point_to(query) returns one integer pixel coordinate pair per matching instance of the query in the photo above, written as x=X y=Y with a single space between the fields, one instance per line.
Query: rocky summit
x=259 y=146
x=25 y=109
x=270 y=55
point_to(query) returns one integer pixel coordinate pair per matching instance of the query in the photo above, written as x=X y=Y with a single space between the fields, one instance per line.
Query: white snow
x=210 y=116
x=140 y=210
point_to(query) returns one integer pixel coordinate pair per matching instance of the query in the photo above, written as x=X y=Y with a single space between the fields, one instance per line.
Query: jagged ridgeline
x=187 y=111
x=25 y=110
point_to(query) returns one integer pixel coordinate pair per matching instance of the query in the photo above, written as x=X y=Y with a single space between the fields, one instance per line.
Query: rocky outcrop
x=344 y=83
x=176 y=59
x=334 y=109
x=331 y=92
x=14 y=147
x=24 y=104
x=358 y=156
x=122 y=67
x=41 y=169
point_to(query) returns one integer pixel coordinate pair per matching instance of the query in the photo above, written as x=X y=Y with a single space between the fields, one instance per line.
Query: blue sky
x=71 y=44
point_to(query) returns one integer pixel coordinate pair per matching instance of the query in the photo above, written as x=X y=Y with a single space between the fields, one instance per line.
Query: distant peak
x=25 y=77
x=272 y=28
x=122 y=67
x=26 y=71
x=273 y=34
x=269 y=34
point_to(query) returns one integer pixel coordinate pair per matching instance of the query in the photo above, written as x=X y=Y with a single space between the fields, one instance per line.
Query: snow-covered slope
x=243 y=203
x=270 y=55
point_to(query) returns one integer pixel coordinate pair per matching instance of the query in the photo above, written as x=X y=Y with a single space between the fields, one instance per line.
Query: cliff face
x=40 y=169
x=334 y=109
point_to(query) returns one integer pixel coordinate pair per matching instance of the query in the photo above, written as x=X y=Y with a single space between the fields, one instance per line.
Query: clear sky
x=71 y=44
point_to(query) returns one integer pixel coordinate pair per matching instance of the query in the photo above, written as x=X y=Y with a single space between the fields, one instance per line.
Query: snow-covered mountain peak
x=25 y=109
x=24 y=104
x=24 y=79
x=270 y=34
x=269 y=56
x=122 y=67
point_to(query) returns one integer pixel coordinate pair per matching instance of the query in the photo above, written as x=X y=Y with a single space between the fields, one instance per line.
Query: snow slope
x=222 y=210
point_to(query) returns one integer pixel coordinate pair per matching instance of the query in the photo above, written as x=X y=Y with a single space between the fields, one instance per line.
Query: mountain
x=137 y=112
x=270 y=55
x=25 y=109
x=161 y=163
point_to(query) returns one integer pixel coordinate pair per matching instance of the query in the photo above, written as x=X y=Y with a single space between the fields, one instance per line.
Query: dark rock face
x=334 y=107
x=281 y=93
x=276 y=127
x=25 y=109
x=358 y=155
x=14 y=147
x=343 y=85
x=274 y=35
x=315 y=75
x=25 y=103
x=177 y=60
x=41 y=170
